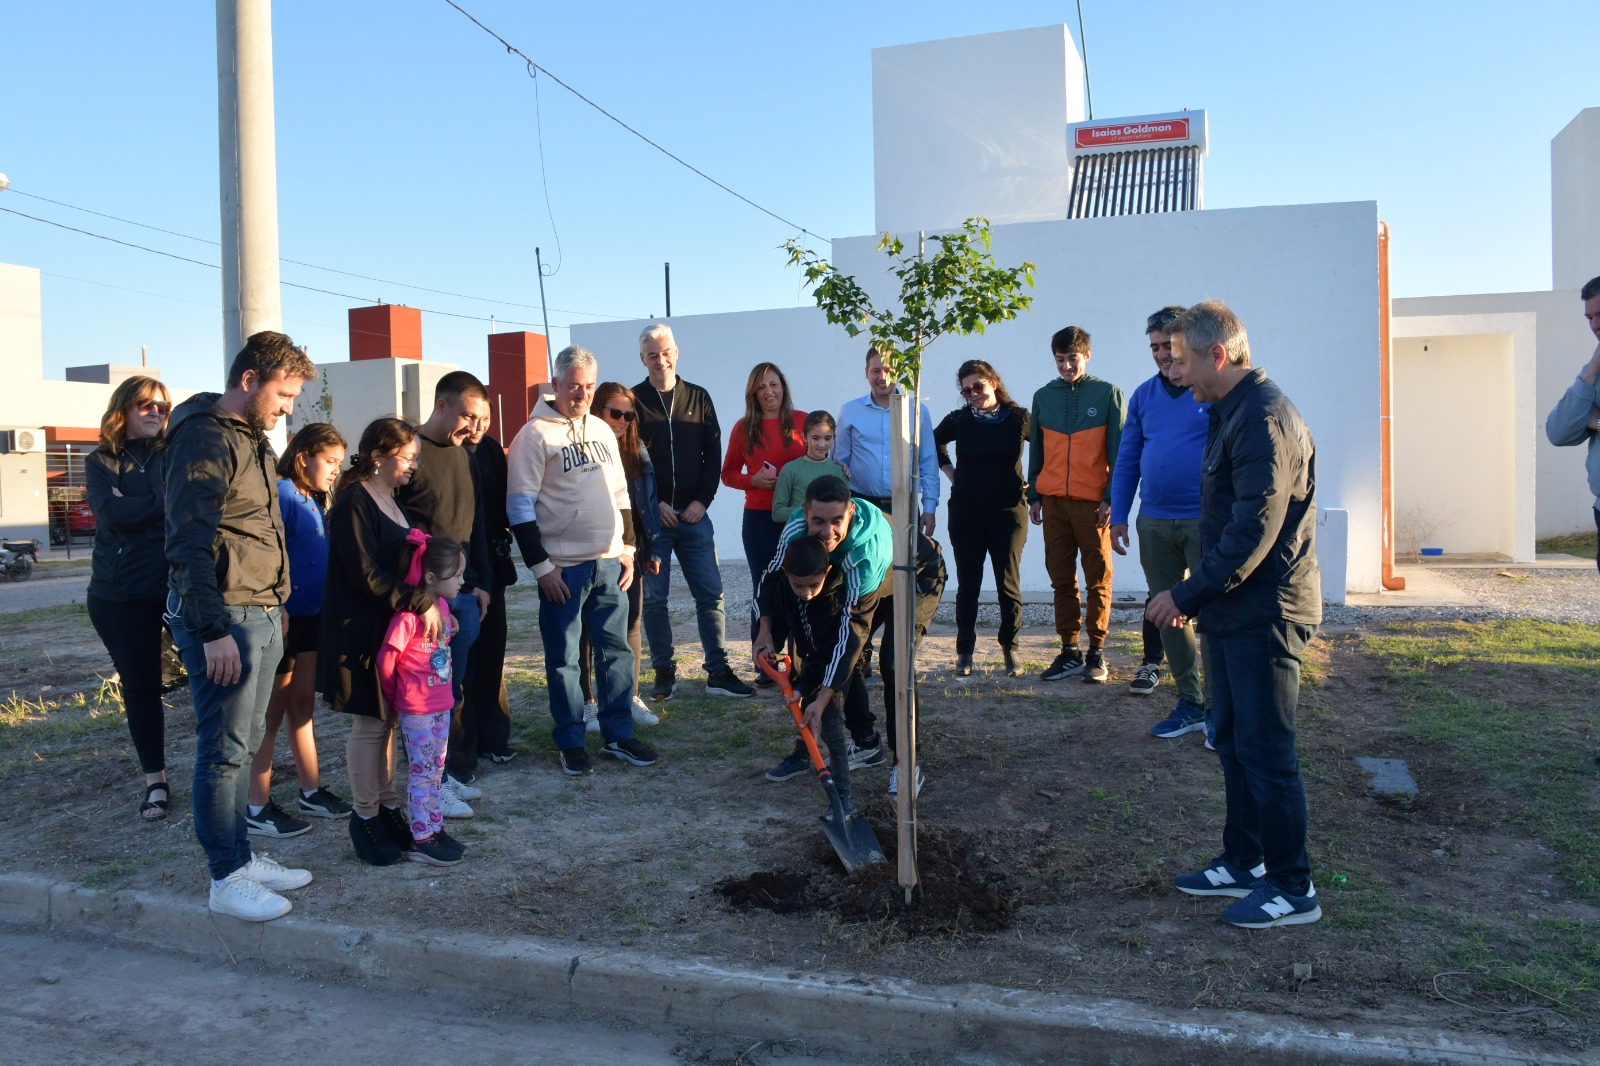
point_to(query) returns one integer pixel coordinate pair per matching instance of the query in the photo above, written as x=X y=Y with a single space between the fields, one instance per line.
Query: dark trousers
x=1154 y=653
x=132 y=633
x=978 y=535
x=463 y=748
x=760 y=534
x=485 y=718
x=1255 y=687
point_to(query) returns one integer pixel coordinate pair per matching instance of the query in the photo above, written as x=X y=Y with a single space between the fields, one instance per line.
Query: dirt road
x=53 y=592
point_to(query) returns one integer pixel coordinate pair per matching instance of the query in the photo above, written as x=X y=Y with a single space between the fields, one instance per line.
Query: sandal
x=159 y=806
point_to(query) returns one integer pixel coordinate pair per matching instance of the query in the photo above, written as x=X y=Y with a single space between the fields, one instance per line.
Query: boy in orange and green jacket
x=1075 y=429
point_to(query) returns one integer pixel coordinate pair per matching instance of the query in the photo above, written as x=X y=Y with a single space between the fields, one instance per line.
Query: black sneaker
x=575 y=762
x=634 y=751
x=1094 y=667
x=793 y=765
x=666 y=683
x=323 y=804
x=1068 y=664
x=865 y=754
x=372 y=843
x=501 y=755
x=396 y=825
x=433 y=851
x=451 y=842
x=727 y=683
x=274 y=821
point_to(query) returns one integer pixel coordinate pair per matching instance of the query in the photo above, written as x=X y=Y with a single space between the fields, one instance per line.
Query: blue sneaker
x=1219 y=879
x=1211 y=734
x=793 y=765
x=1185 y=718
x=1268 y=905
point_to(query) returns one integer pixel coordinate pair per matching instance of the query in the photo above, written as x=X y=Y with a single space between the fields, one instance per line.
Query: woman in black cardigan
x=128 y=582
x=988 y=508
x=366 y=539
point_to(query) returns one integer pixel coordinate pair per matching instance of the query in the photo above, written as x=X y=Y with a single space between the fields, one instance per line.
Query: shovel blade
x=855 y=842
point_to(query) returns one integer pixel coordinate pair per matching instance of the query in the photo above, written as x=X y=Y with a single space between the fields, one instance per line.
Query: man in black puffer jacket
x=229 y=578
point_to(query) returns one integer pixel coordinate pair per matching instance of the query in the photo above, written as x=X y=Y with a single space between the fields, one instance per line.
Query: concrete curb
x=863 y=1014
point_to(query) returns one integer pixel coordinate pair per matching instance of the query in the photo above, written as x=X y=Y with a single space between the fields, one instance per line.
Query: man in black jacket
x=486 y=702
x=229 y=577
x=1258 y=596
x=678 y=425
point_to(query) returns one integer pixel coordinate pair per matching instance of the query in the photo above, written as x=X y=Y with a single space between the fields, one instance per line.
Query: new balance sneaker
x=864 y=754
x=1219 y=879
x=241 y=897
x=894 y=781
x=320 y=803
x=1068 y=664
x=575 y=762
x=463 y=787
x=501 y=755
x=1145 y=679
x=433 y=851
x=666 y=683
x=274 y=876
x=1185 y=718
x=1094 y=667
x=727 y=683
x=631 y=751
x=274 y=821
x=1211 y=734
x=1268 y=905
x=793 y=765
x=642 y=714
x=963 y=665
x=450 y=804
x=372 y=842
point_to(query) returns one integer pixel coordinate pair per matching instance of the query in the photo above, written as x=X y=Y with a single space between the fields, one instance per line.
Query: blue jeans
x=463 y=747
x=1255 y=687
x=760 y=535
x=229 y=722
x=598 y=604
x=696 y=548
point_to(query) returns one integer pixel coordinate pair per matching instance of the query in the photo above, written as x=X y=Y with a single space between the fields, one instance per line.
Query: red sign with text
x=1118 y=133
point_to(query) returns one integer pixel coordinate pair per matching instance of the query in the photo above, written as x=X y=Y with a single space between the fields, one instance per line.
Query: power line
x=296 y=262
x=534 y=69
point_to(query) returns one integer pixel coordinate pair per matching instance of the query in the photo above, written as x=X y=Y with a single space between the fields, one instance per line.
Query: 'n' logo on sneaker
x=1220 y=876
x=1277 y=907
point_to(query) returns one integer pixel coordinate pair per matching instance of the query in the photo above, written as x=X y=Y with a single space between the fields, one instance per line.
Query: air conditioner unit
x=22 y=440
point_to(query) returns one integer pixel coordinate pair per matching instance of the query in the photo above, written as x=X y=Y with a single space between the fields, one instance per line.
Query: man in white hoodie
x=565 y=494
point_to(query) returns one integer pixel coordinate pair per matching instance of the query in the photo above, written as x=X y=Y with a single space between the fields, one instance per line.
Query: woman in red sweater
x=770 y=434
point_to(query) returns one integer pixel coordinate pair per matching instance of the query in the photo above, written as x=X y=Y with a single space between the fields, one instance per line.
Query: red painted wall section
x=387 y=331
x=518 y=366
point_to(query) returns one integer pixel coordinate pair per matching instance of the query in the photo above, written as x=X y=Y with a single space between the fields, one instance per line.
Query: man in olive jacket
x=1258 y=596
x=228 y=579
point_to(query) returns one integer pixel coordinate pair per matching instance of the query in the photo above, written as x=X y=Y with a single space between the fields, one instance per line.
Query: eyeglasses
x=975 y=390
x=626 y=416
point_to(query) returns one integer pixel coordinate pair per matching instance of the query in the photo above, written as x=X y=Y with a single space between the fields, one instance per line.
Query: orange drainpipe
x=1386 y=414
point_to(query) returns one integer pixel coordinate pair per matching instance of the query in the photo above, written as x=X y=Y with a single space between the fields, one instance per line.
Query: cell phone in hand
x=768 y=469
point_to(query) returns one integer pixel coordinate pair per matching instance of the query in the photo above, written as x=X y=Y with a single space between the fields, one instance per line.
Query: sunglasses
x=974 y=390
x=153 y=405
x=626 y=416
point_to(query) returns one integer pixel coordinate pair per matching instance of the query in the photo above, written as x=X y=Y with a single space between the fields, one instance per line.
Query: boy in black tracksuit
x=805 y=602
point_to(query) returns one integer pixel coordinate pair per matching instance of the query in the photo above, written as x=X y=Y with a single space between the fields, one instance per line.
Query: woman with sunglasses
x=128 y=581
x=616 y=405
x=769 y=436
x=988 y=510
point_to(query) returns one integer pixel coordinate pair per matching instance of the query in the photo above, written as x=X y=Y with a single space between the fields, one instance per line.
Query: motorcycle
x=17 y=558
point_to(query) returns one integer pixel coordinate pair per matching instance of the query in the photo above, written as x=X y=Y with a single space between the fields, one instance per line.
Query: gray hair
x=657 y=329
x=573 y=357
x=1210 y=323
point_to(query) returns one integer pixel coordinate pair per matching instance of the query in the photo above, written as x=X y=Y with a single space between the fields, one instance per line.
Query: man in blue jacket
x=1162 y=441
x=1258 y=595
x=1576 y=417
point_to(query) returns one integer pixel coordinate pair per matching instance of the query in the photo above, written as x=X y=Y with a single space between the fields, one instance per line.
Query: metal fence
x=71 y=521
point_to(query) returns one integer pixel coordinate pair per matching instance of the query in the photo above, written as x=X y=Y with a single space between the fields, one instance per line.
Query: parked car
x=78 y=521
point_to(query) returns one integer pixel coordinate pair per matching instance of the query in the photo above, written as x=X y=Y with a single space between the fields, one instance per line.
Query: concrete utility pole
x=247 y=147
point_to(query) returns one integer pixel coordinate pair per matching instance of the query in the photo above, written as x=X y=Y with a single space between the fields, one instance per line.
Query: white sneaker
x=451 y=805
x=591 y=718
x=894 y=781
x=642 y=714
x=461 y=788
x=240 y=897
x=273 y=875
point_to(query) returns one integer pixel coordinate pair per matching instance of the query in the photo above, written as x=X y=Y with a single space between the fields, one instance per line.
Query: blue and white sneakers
x=1268 y=905
x=1220 y=879
x=1185 y=718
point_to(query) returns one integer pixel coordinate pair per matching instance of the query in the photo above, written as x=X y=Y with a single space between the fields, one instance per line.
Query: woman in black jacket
x=366 y=538
x=128 y=582
x=988 y=512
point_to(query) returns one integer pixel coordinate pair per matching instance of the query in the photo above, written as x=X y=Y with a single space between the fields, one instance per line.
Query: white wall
x=1562 y=343
x=974 y=126
x=1303 y=279
x=352 y=394
x=1574 y=207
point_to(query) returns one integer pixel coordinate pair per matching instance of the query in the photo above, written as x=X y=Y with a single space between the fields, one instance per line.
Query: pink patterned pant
x=427 y=736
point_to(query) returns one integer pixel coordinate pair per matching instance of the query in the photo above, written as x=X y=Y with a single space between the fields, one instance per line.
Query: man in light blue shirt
x=862 y=447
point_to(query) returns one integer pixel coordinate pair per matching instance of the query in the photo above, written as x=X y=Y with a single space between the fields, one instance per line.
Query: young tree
x=958 y=289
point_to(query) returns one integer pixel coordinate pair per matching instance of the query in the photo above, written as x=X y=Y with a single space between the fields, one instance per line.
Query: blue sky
x=407 y=147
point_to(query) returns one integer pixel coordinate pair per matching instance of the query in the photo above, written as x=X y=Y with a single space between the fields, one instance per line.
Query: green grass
x=1579 y=544
x=35 y=615
x=29 y=723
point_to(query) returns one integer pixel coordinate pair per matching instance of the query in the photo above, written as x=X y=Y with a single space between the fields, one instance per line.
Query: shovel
x=850 y=836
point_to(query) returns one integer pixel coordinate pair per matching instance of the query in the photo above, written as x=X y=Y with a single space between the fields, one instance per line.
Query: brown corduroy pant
x=1070 y=532
x=369 y=762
